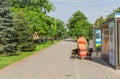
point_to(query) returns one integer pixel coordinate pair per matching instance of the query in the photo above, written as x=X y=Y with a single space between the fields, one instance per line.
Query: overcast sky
x=91 y=8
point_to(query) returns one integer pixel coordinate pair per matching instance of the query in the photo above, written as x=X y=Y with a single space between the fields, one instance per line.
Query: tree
x=38 y=5
x=78 y=24
x=46 y=6
x=111 y=15
x=77 y=16
x=61 y=29
x=7 y=30
x=25 y=33
x=35 y=13
x=99 y=21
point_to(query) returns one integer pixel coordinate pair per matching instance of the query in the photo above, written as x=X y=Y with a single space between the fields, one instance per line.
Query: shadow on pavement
x=99 y=60
x=96 y=59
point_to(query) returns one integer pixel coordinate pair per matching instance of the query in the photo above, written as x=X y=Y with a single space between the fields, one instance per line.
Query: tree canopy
x=35 y=14
x=99 y=21
x=111 y=15
x=78 y=24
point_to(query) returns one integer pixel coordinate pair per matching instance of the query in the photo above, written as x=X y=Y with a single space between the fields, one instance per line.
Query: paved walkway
x=54 y=62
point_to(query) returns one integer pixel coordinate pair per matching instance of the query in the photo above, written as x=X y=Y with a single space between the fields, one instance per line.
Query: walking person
x=82 y=46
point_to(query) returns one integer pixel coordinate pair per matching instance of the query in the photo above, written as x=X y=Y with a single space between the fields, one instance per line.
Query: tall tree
x=25 y=33
x=77 y=16
x=99 y=21
x=61 y=29
x=78 y=24
x=7 y=30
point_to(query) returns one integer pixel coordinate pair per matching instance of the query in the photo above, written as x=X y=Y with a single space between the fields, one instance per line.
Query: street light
x=52 y=33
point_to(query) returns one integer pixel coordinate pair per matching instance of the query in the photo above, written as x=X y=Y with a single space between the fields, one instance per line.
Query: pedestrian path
x=54 y=62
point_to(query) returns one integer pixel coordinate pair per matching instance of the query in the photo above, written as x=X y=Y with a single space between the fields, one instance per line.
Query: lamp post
x=52 y=34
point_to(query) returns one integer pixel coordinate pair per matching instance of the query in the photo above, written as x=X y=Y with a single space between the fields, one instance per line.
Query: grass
x=5 y=61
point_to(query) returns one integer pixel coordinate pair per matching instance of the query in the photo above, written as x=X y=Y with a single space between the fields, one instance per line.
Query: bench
x=74 y=52
x=89 y=53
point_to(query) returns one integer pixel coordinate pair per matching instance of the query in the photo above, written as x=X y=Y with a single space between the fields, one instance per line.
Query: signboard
x=105 y=44
x=117 y=15
x=98 y=39
x=111 y=44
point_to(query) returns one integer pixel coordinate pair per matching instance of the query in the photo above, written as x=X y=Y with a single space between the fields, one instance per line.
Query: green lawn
x=5 y=61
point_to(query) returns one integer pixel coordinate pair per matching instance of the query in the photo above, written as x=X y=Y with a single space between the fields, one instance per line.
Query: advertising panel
x=105 y=44
x=98 y=39
x=111 y=44
x=117 y=15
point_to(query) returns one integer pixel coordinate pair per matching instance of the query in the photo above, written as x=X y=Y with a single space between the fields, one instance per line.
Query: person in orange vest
x=82 y=46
